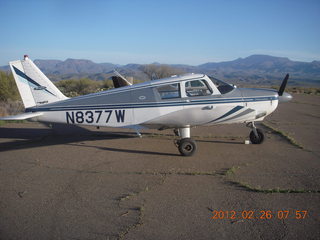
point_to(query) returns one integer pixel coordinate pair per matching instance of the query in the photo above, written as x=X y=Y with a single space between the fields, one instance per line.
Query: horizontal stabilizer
x=22 y=116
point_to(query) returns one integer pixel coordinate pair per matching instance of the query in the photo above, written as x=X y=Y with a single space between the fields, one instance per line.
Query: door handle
x=207 y=108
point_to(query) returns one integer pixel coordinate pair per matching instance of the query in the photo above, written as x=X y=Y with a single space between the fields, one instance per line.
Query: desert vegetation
x=8 y=88
x=304 y=90
x=10 y=101
x=77 y=87
x=158 y=71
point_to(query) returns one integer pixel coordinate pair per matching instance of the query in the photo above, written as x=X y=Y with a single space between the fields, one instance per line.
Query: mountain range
x=255 y=69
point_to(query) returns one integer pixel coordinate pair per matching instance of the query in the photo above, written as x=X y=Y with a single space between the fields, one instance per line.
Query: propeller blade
x=283 y=85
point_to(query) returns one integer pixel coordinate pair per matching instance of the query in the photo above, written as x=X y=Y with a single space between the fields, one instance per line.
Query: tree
x=8 y=87
x=157 y=71
x=76 y=87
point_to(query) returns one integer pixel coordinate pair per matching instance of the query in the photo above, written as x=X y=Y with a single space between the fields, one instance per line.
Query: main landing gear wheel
x=258 y=137
x=187 y=146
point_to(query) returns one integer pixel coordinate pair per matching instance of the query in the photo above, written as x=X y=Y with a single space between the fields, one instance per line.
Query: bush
x=73 y=87
x=10 y=107
x=8 y=88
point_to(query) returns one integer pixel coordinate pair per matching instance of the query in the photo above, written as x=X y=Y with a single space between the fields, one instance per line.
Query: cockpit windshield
x=222 y=86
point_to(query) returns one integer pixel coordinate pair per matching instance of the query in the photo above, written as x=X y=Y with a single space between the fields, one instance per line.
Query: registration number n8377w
x=95 y=116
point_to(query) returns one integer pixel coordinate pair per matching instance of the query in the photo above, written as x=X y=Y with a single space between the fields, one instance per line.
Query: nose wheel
x=256 y=135
x=186 y=145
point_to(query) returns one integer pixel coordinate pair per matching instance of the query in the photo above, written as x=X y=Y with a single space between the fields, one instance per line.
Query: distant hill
x=265 y=69
x=73 y=66
x=255 y=69
x=265 y=64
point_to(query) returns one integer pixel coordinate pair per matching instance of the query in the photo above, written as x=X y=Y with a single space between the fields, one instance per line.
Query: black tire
x=257 y=140
x=176 y=132
x=187 y=147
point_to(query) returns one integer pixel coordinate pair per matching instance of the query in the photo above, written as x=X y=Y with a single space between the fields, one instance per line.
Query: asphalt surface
x=58 y=182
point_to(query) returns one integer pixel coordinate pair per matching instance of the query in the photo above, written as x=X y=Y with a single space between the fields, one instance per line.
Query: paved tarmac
x=58 y=182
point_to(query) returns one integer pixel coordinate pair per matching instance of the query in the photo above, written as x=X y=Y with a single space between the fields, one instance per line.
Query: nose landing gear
x=186 y=145
x=256 y=135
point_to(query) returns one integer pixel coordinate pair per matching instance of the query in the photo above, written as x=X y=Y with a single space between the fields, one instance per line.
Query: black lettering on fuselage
x=89 y=117
x=79 y=117
x=70 y=117
x=120 y=115
x=98 y=116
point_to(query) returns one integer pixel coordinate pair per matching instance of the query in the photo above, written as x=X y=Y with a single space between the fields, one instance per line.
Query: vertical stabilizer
x=34 y=87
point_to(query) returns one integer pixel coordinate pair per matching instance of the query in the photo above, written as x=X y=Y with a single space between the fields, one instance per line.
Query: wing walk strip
x=147 y=105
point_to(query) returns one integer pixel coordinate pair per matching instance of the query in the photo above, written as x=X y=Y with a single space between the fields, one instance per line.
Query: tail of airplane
x=34 y=87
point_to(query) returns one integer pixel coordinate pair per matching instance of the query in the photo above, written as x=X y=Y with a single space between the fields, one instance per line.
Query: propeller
x=283 y=85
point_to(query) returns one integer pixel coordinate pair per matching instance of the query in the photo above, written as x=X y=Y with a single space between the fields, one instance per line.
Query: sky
x=165 y=31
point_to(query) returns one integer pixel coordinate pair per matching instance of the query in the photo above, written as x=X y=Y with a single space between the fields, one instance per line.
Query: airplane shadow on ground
x=26 y=138
x=127 y=150
x=221 y=141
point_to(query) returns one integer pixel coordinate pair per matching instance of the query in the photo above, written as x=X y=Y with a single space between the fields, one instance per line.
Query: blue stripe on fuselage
x=237 y=108
x=150 y=105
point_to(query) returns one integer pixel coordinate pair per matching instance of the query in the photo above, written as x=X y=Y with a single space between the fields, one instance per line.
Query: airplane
x=179 y=102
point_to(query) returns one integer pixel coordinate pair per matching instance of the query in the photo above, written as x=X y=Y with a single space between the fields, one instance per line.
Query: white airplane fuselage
x=141 y=105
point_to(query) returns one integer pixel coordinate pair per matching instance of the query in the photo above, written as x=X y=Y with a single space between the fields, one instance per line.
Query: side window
x=197 y=88
x=169 y=91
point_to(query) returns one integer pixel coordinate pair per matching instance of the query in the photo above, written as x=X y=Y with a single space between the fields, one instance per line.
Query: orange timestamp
x=259 y=214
